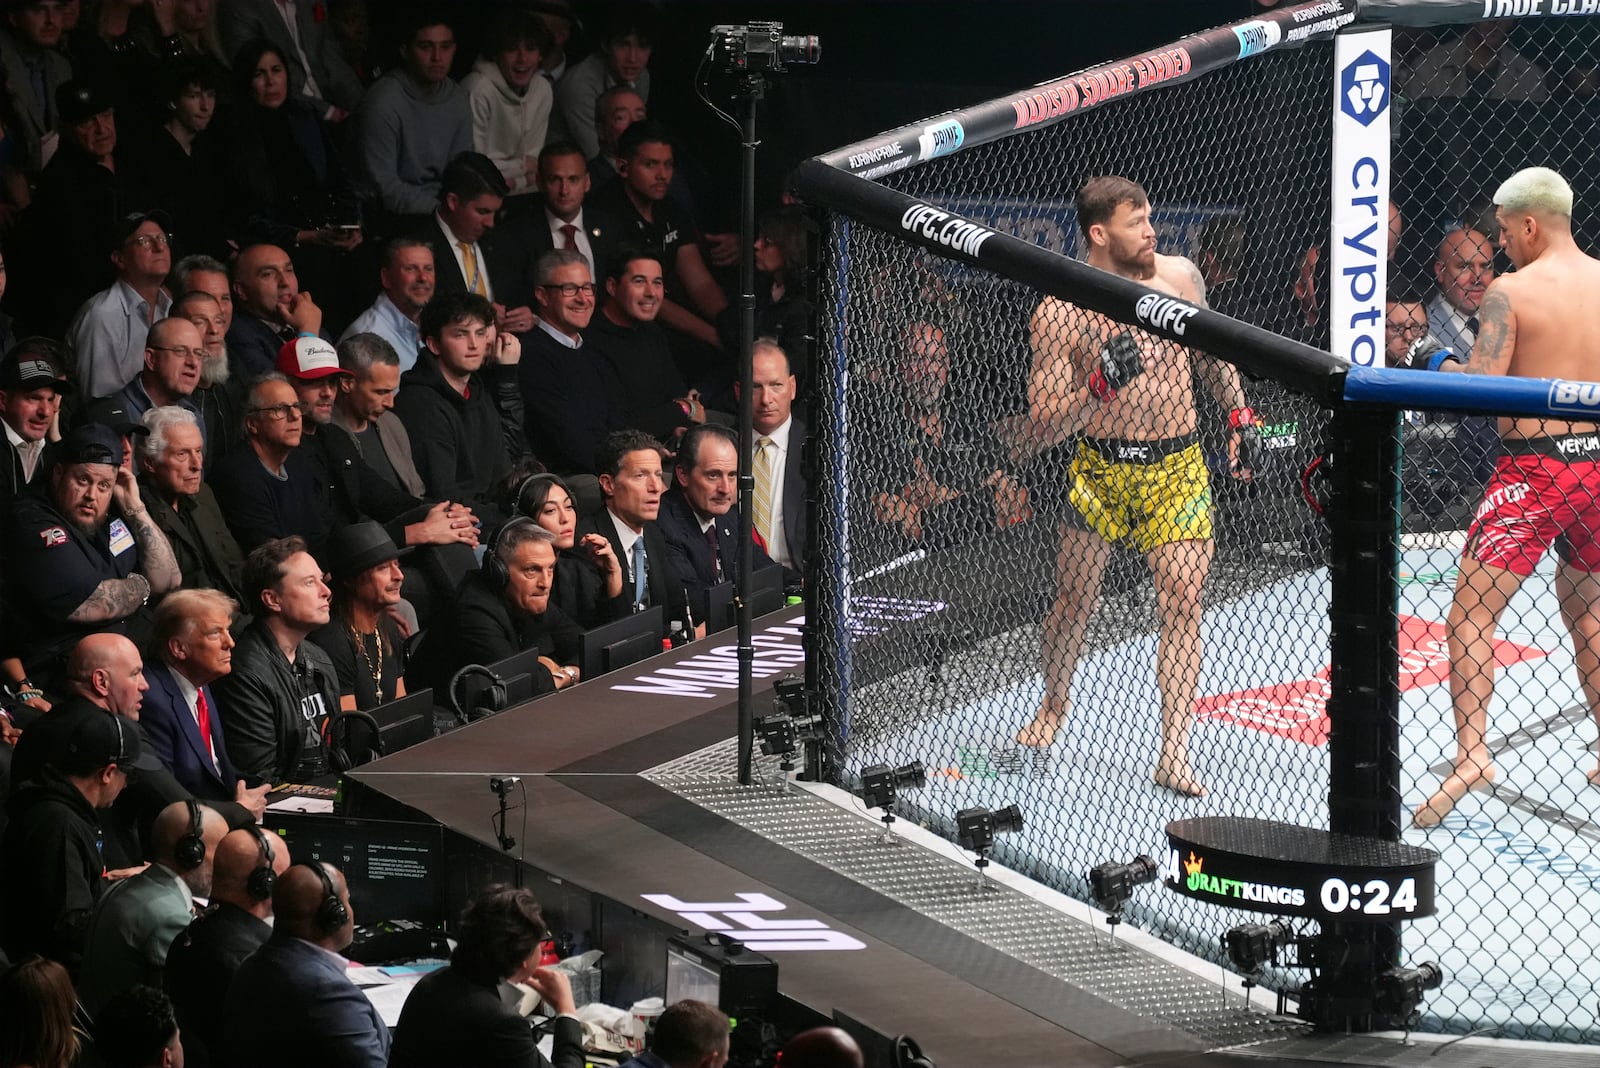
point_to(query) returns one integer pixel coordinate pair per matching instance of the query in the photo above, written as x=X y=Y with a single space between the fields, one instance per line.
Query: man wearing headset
x=205 y=956
x=502 y=609
x=134 y=922
x=291 y=1001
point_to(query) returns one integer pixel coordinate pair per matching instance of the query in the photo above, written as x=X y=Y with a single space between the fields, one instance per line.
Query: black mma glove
x=1428 y=353
x=1120 y=363
x=1251 y=454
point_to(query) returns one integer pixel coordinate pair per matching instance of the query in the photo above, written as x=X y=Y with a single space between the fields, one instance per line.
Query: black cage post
x=1364 y=696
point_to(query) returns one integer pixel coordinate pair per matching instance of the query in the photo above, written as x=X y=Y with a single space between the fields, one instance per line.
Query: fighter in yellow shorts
x=1137 y=476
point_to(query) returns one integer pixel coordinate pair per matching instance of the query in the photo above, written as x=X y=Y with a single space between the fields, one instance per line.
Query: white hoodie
x=506 y=127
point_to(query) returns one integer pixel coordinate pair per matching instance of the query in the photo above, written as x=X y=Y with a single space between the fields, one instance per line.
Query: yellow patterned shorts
x=1140 y=493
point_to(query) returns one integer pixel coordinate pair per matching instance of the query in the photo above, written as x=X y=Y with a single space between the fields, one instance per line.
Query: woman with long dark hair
x=289 y=182
x=588 y=582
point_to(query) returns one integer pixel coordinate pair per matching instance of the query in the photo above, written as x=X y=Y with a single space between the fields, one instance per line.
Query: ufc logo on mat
x=740 y=919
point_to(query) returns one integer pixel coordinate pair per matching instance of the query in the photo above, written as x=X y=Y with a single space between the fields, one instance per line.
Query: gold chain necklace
x=376 y=668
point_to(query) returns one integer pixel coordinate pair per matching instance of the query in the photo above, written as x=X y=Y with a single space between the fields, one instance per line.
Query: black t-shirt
x=383 y=651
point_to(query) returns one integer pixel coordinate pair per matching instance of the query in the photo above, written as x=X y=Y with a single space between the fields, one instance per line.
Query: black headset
x=907 y=1054
x=494 y=698
x=519 y=499
x=189 y=851
x=336 y=735
x=331 y=913
x=494 y=569
x=259 y=883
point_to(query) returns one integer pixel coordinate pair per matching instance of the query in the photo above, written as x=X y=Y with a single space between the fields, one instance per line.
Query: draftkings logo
x=1364 y=88
x=1196 y=881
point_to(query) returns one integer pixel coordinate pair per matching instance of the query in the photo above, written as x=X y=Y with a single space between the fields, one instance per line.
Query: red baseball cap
x=309 y=358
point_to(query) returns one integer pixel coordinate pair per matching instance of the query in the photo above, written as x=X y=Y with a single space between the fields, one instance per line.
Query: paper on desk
x=303 y=804
x=389 y=999
x=366 y=975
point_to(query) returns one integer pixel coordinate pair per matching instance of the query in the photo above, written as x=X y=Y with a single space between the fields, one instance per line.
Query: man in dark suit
x=291 y=1001
x=699 y=516
x=629 y=463
x=562 y=218
x=179 y=714
x=466 y=256
x=780 y=494
x=172 y=460
x=203 y=959
x=30 y=396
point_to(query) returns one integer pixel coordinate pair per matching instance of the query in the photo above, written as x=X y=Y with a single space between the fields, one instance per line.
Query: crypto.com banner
x=1358 y=263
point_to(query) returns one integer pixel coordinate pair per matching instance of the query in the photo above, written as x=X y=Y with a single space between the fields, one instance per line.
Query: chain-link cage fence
x=1072 y=601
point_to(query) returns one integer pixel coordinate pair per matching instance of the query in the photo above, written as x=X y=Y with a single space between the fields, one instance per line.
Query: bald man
x=135 y=921
x=204 y=957
x=105 y=673
x=297 y=980
x=822 y=1047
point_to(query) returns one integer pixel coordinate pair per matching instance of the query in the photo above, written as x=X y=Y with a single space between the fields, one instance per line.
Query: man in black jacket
x=502 y=609
x=202 y=960
x=447 y=402
x=30 y=396
x=654 y=397
x=51 y=850
x=282 y=689
x=171 y=462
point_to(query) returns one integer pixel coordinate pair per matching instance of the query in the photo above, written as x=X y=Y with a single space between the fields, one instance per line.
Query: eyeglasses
x=151 y=241
x=182 y=350
x=280 y=412
x=570 y=289
x=1406 y=329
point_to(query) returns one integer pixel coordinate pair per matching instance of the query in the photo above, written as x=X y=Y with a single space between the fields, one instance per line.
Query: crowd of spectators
x=335 y=358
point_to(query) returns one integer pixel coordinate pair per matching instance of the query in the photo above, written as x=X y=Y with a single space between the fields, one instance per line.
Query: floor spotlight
x=880 y=785
x=976 y=828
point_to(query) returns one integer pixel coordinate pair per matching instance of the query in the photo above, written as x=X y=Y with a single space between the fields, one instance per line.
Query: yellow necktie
x=474 y=276
x=763 y=494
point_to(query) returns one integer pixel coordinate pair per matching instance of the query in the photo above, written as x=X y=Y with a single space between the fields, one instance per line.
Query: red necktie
x=203 y=713
x=567 y=230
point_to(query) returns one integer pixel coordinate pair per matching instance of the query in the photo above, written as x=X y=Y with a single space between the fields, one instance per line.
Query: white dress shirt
x=778 y=457
x=580 y=238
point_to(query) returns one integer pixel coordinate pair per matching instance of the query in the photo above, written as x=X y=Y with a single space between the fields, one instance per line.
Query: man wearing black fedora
x=362 y=638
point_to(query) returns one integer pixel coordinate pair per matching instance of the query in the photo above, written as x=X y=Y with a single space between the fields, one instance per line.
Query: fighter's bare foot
x=1041 y=732
x=1465 y=778
x=1179 y=778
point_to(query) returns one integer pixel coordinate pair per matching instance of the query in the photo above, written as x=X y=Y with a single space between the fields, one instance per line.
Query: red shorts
x=1544 y=491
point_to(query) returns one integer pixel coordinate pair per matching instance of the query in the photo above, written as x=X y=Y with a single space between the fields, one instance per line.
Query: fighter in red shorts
x=1541 y=321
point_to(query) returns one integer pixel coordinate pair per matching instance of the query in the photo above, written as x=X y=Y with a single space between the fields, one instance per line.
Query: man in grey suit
x=135 y=921
x=298 y=981
x=1464 y=268
x=316 y=69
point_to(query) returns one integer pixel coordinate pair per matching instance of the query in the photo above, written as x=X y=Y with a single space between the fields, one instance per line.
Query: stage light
x=976 y=827
x=1251 y=945
x=1400 y=990
x=1112 y=884
x=880 y=785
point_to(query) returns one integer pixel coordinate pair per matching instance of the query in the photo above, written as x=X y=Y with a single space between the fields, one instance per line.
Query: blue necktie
x=641 y=570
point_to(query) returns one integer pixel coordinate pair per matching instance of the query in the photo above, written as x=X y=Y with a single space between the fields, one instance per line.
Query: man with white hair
x=1537 y=322
x=171 y=462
